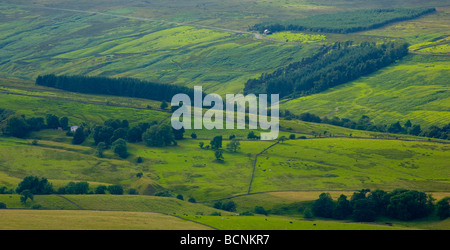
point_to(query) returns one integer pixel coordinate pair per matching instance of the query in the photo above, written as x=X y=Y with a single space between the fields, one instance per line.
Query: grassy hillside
x=92 y=220
x=416 y=88
x=218 y=60
x=349 y=164
x=207 y=43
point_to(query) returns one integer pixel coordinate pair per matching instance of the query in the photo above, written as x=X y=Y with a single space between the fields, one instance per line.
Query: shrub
x=115 y=189
x=101 y=189
x=260 y=210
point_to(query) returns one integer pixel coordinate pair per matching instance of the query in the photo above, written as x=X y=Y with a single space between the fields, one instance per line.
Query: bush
x=443 y=208
x=120 y=148
x=75 y=188
x=2 y=205
x=324 y=206
x=35 y=185
x=409 y=205
x=101 y=189
x=132 y=191
x=115 y=189
x=260 y=210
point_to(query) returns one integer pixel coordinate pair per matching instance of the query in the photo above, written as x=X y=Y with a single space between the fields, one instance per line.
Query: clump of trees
x=20 y=126
x=33 y=185
x=229 y=206
x=366 y=205
x=332 y=66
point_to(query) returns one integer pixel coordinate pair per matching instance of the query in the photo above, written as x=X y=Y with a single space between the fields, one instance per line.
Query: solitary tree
x=164 y=105
x=216 y=142
x=219 y=154
x=79 y=136
x=234 y=145
x=100 y=149
x=25 y=195
x=120 y=148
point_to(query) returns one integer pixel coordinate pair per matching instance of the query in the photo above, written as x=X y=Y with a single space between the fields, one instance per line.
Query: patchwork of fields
x=208 y=43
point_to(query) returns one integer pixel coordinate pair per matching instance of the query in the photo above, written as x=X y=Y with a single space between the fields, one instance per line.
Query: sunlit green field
x=207 y=43
x=80 y=43
x=92 y=220
x=347 y=164
x=416 y=88
x=298 y=37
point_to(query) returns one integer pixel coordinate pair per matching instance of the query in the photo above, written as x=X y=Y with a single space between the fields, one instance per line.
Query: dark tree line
x=332 y=66
x=19 y=125
x=128 y=87
x=365 y=123
x=41 y=186
x=346 y=22
x=366 y=205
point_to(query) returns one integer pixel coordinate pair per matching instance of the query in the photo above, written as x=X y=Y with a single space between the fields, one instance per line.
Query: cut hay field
x=92 y=220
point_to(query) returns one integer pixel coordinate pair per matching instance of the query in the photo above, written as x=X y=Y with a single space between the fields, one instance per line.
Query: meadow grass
x=92 y=220
x=349 y=164
x=101 y=45
x=77 y=112
x=413 y=89
x=282 y=223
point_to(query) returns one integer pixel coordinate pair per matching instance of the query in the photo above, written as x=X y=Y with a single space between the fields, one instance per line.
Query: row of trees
x=41 y=186
x=345 y=22
x=19 y=125
x=333 y=66
x=367 y=205
x=128 y=87
x=365 y=123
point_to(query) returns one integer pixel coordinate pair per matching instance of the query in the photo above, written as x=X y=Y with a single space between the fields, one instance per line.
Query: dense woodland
x=345 y=22
x=334 y=65
x=367 y=205
x=128 y=87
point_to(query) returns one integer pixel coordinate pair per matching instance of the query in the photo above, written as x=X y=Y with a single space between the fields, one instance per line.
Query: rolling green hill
x=207 y=43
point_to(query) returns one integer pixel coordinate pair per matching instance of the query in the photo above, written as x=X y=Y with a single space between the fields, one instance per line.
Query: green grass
x=38 y=41
x=282 y=223
x=77 y=111
x=92 y=220
x=99 y=45
x=413 y=89
x=349 y=164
